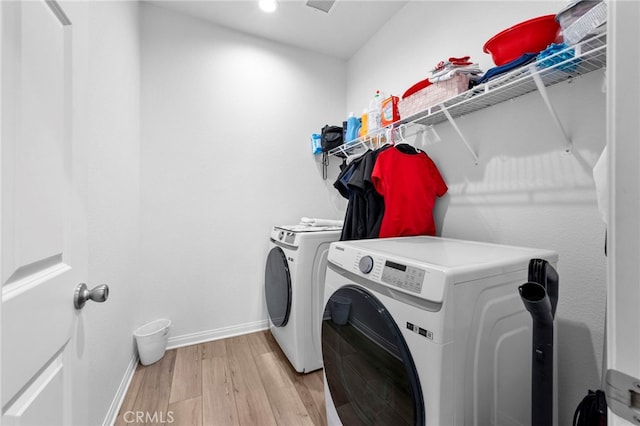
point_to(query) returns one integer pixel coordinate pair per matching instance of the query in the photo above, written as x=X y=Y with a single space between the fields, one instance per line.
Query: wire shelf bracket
x=453 y=123
x=542 y=89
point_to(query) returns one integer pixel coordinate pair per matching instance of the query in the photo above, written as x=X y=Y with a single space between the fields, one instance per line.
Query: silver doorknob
x=82 y=294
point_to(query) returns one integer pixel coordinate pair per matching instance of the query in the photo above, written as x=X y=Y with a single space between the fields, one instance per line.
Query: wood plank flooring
x=243 y=380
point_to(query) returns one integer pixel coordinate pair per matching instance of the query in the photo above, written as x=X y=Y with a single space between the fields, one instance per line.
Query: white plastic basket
x=574 y=29
x=433 y=95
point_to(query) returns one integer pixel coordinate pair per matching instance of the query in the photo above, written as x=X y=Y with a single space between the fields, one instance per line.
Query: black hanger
x=407 y=148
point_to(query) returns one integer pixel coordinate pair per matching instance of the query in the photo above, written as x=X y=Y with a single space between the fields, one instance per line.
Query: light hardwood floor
x=243 y=380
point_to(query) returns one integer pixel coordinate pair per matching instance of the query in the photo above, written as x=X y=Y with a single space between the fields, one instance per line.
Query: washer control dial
x=366 y=264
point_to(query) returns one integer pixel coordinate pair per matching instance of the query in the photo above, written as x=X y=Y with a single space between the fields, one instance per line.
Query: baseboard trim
x=112 y=413
x=220 y=333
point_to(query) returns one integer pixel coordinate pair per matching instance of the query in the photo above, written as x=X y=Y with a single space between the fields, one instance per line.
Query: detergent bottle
x=375 y=106
x=364 y=124
x=353 y=125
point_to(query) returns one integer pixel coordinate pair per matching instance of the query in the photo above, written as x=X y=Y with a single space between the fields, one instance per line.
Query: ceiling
x=341 y=32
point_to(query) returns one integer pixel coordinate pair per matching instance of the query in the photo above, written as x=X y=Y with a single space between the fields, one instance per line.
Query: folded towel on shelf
x=496 y=71
x=450 y=73
x=446 y=70
x=320 y=222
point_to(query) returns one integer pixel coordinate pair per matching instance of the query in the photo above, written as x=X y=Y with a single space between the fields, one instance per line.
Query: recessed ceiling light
x=268 y=5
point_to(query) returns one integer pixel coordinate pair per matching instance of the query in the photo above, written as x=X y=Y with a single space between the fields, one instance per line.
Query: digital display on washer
x=402 y=276
x=395 y=265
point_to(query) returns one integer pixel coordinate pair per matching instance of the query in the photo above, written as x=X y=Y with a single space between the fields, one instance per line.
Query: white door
x=623 y=136
x=42 y=231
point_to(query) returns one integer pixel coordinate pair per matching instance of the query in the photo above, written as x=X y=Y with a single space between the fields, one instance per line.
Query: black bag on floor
x=592 y=410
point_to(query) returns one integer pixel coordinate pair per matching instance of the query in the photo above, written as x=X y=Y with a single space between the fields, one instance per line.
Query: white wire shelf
x=574 y=61
x=590 y=55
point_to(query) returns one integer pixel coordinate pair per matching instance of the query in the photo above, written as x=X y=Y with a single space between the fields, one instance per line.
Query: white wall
x=107 y=129
x=114 y=196
x=226 y=121
x=525 y=189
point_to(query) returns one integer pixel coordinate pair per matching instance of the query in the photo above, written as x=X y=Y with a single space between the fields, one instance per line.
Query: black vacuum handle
x=540 y=298
x=541 y=272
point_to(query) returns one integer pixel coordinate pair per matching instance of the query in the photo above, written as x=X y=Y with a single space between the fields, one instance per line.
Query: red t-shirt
x=409 y=184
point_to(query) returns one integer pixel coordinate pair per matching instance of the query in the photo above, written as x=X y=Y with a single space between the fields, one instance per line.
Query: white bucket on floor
x=151 y=340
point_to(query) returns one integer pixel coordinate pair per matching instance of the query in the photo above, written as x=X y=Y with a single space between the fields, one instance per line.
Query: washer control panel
x=415 y=278
x=393 y=273
x=287 y=237
x=403 y=276
x=294 y=235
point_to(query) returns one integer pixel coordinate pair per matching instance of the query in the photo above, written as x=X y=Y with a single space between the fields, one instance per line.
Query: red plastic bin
x=531 y=36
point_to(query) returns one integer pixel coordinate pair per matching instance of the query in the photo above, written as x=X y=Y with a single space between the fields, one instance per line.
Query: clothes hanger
x=403 y=142
x=369 y=142
x=350 y=157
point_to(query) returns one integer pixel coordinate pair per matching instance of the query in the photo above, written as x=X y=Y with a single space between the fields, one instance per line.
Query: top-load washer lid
x=422 y=266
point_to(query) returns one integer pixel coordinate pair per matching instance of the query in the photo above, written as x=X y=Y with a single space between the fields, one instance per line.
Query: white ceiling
x=340 y=33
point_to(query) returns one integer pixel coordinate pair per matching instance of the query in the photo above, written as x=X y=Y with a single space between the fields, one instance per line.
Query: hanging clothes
x=371 y=208
x=409 y=182
x=365 y=208
x=341 y=184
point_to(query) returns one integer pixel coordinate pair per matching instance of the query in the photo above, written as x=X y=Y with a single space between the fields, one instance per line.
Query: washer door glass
x=368 y=367
x=277 y=287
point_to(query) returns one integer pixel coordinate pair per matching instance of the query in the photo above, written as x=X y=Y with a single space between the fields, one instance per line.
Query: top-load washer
x=427 y=330
x=294 y=287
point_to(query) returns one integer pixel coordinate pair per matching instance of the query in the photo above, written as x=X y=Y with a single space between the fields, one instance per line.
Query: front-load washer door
x=277 y=287
x=369 y=370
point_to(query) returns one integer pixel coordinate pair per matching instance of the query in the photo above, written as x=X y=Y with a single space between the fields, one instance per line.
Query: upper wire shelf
x=582 y=58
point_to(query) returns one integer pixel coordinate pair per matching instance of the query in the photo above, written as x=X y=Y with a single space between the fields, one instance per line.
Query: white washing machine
x=428 y=331
x=294 y=287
